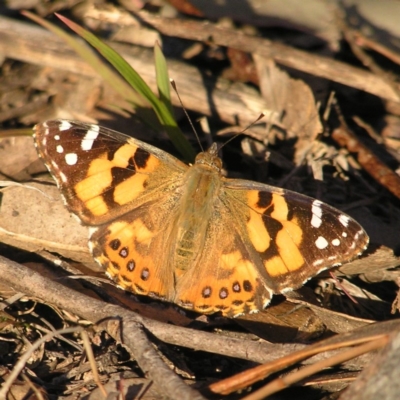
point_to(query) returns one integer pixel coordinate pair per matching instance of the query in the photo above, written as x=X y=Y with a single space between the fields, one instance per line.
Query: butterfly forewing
x=102 y=174
x=296 y=236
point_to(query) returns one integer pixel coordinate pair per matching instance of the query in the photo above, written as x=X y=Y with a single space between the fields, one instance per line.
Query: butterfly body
x=195 y=208
x=186 y=234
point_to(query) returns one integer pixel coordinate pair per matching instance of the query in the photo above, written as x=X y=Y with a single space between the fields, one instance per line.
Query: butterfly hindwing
x=229 y=279
x=133 y=250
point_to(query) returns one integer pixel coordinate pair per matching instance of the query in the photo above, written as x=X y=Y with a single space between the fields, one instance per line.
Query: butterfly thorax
x=210 y=158
x=202 y=184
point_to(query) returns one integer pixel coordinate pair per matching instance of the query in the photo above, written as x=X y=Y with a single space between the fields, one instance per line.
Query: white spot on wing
x=321 y=243
x=71 y=158
x=344 y=234
x=92 y=230
x=336 y=264
x=90 y=137
x=316 y=210
x=56 y=137
x=318 y=262
x=109 y=275
x=336 y=242
x=64 y=125
x=59 y=149
x=344 y=220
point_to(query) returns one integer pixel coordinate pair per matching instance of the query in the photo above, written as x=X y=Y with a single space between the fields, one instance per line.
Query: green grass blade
x=163 y=82
x=135 y=80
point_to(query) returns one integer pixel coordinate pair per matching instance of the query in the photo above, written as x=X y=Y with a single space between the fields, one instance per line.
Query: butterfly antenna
x=173 y=84
x=262 y=115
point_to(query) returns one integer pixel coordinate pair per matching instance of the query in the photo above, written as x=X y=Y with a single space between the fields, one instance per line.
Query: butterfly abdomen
x=190 y=225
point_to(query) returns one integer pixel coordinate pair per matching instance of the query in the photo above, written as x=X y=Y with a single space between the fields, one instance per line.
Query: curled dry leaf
x=293 y=100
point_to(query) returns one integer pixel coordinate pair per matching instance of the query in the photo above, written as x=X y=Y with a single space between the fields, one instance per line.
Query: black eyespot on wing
x=115 y=244
x=145 y=274
x=131 y=265
x=247 y=286
x=236 y=287
x=124 y=252
x=206 y=292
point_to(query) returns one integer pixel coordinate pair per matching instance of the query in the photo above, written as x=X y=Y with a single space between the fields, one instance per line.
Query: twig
x=282 y=383
x=315 y=65
x=376 y=168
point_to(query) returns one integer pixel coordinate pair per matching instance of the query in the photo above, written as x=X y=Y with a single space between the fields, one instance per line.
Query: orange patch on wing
x=235 y=262
x=252 y=200
x=293 y=231
x=278 y=202
x=97 y=179
x=130 y=231
x=97 y=206
x=120 y=230
x=258 y=233
x=291 y=255
x=281 y=210
x=275 y=266
x=130 y=189
x=140 y=232
x=123 y=154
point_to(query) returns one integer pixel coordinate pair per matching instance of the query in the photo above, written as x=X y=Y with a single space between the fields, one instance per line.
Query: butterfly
x=185 y=233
